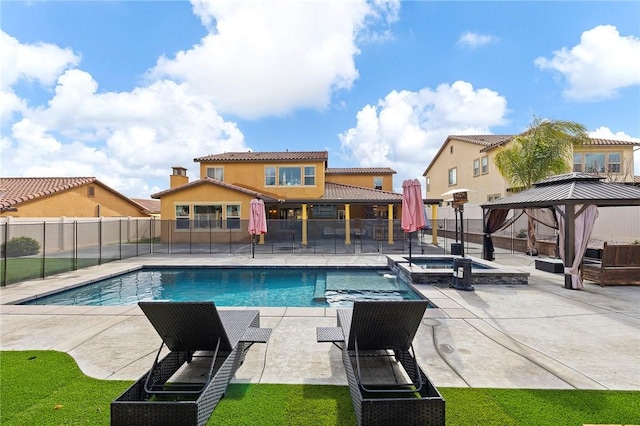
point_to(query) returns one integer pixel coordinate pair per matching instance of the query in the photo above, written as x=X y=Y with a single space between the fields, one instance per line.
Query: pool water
x=443 y=263
x=301 y=287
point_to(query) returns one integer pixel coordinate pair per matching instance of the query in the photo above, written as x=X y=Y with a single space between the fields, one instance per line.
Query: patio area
x=539 y=335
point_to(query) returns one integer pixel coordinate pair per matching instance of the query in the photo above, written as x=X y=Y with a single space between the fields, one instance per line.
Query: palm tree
x=544 y=149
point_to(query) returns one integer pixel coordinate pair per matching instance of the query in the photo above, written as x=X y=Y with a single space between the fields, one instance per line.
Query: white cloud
x=39 y=63
x=406 y=129
x=127 y=139
x=473 y=40
x=603 y=63
x=606 y=133
x=269 y=58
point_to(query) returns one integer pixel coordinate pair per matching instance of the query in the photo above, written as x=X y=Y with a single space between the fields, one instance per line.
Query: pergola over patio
x=561 y=194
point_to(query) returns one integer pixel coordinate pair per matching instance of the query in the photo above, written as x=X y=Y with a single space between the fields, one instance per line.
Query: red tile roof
x=359 y=171
x=152 y=206
x=267 y=156
x=343 y=193
x=14 y=191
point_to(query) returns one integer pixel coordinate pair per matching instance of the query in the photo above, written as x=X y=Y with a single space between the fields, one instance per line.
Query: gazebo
x=573 y=199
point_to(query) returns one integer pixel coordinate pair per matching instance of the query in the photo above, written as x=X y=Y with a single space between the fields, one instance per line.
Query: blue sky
x=123 y=91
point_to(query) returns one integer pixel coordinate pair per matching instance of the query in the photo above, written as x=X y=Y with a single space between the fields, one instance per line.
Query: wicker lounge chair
x=386 y=383
x=192 y=331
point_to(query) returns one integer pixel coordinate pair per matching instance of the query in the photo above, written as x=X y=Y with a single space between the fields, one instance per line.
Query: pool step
x=319 y=294
x=344 y=281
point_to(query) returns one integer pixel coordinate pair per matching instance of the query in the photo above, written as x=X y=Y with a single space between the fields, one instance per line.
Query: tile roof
x=208 y=180
x=267 y=156
x=594 y=141
x=485 y=140
x=152 y=206
x=14 y=191
x=598 y=141
x=341 y=192
x=359 y=170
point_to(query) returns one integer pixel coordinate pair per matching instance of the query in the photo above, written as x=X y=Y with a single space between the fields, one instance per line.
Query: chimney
x=178 y=177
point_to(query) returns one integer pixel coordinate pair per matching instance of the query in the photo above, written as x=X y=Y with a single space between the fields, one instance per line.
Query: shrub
x=521 y=233
x=22 y=246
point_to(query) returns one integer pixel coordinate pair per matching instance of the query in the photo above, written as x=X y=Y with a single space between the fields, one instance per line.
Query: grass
x=48 y=388
x=25 y=268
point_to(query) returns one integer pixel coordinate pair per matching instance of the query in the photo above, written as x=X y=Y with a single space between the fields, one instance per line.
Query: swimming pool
x=291 y=287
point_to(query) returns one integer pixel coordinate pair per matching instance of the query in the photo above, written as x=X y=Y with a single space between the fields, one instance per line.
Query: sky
x=125 y=90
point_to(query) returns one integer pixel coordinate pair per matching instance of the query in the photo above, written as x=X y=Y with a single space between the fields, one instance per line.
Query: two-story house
x=468 y=161
x=293 y=185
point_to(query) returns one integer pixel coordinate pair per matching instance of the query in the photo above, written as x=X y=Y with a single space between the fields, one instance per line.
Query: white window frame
x=216 y=173
x=453 y=176
x=183 y=216
x=484 y=165
x=375 y=180
x=309 y=178
x=270 y=176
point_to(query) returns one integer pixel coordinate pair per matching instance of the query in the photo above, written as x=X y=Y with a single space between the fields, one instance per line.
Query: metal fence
x=70 y=245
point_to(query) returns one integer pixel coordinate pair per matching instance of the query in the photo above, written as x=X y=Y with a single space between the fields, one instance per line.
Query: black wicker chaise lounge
x=386 y=383
x=216 y=342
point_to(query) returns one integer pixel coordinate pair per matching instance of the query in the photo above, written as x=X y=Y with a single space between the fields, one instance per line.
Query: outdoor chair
x=386 y=383
x=206 y=347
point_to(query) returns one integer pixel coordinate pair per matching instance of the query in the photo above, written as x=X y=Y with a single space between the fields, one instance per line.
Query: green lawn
x=47 y=388
x=26 y=268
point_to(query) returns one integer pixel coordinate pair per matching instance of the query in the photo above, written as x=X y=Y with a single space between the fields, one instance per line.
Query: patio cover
x=569 y=190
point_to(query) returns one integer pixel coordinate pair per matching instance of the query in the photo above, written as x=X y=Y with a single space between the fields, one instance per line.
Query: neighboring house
x=467 y=162
x=64 y=196
x=293 y=185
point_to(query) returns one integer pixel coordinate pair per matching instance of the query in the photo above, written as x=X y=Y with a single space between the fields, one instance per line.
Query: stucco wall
x=250 y=174
x=365 y=181
x=76 y=202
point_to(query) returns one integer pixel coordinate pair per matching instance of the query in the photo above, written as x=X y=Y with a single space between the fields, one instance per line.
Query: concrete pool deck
x=504 y=336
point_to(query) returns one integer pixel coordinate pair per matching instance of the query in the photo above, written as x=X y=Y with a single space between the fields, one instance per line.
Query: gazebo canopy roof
x=570 y=188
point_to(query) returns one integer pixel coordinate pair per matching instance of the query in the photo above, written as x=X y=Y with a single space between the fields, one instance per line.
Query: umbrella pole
x=410 y=233
x=253 y=247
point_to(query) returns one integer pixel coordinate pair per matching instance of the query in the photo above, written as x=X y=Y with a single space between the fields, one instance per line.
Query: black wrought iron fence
x=38 y=250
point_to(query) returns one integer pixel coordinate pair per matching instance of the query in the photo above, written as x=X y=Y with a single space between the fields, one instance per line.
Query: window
x=492 y=197
x=91 y=191
x=309 y=175
x=377 y=183
x=485 y=165
x=598 y=162
x=233 y=216
x=453 y=180
x=269 y=176
x=182 y=216
x=594 y=163
x=577 y=163
x=289 y=176
x=207 y=217
x=216 y=173
x=325 y=211
x=476 y=167
x=613 y=163
x=428 y=184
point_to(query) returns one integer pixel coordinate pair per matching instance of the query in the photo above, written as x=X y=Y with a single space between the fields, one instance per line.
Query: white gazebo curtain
x=583 y=225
